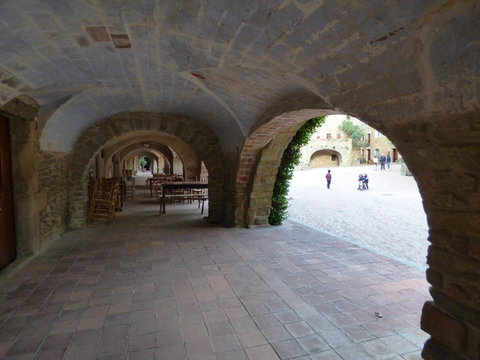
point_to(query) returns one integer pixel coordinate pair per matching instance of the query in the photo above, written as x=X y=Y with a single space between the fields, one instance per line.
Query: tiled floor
x=174 y=287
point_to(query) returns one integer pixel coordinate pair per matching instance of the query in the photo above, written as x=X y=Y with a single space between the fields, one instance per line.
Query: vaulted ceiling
x=227 y=62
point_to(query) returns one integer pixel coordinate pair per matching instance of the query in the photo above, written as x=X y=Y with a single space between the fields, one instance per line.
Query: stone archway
x=164 y=142
x=200 y=138
x=265 y=145
x=325 y=158
x=154 y=155
x=161 y=151
x=443 y=154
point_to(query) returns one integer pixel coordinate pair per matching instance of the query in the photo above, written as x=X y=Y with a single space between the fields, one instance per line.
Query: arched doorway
x=145 y=163
x=325 y=158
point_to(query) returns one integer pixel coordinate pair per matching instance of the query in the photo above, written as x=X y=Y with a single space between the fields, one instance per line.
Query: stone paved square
x=388 y=218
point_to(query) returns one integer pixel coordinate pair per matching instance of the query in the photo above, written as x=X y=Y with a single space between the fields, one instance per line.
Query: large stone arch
x=198 y=136
x=265 y=145
x=443 y=153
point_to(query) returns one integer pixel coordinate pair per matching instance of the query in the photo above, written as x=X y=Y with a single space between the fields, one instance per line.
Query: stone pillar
x=444 y=157
x=53 y=192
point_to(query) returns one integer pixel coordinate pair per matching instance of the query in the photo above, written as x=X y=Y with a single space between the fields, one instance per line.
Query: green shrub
x=290 y=159
x=354 y=132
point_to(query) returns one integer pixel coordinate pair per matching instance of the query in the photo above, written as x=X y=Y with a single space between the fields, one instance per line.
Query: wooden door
x=8 y=248
x=395 y=155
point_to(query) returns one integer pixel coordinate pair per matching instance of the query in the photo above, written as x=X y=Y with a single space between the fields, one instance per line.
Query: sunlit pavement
x=389 y=218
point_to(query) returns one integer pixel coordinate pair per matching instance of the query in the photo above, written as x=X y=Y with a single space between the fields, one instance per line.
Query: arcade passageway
x=87 y=88
x=150 y=287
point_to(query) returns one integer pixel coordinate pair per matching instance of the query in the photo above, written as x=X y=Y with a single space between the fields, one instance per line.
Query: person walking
x=383 y=159
x=375 y=162
x=329 y=179
x=389 y=160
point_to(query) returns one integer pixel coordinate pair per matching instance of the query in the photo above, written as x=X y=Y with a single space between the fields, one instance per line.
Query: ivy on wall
x=290 y=159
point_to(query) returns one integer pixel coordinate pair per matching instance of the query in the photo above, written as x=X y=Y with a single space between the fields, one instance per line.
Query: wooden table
x=162 y=178
x=179 y=186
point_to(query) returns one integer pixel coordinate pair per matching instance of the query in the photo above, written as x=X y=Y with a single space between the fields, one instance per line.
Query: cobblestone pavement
x=174 y=287
x=389 y=218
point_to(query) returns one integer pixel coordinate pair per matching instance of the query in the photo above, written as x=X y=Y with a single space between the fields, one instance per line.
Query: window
x=377 y=134
x=329 y=136
x=334 y=157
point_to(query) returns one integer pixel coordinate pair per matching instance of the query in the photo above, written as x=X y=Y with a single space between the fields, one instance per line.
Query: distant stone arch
x=197 y=135
x=325 y=158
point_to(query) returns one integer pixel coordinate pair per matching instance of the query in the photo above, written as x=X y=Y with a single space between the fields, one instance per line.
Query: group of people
x=362 y=180
x=383 y=160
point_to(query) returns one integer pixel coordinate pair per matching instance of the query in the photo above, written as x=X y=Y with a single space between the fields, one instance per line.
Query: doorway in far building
x=394 y=155
x=145 y=164
x=8 y=248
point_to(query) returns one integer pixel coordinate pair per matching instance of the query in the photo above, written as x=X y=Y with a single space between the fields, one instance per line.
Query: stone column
x=444 y=157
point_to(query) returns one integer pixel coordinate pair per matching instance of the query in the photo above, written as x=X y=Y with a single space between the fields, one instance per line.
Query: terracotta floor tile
x=169 y=287
x=326 y=355
x=299 y=329
x=399 y=344
x=252 y=339
x=263 y=352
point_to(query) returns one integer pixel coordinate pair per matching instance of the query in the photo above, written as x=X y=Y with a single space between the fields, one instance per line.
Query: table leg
x=164 y=200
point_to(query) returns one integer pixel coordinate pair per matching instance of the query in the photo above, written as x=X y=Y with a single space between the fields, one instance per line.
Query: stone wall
x=53 y=195
x=380 y=142
x=341 y=147
x=444 y=157
x=324 y=158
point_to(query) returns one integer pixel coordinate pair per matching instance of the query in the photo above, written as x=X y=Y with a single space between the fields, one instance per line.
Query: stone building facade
x=329 y=146
x=229 y=83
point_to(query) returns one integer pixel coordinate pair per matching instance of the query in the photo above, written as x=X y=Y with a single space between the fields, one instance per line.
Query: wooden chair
x=156 y=186
x=115 y=182
x=104 y=201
